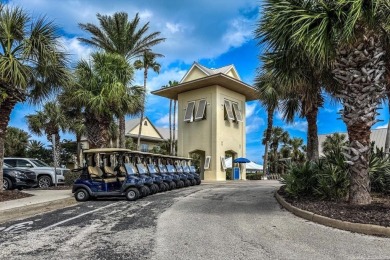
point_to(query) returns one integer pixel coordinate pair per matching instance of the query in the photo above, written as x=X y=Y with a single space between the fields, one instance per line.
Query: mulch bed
x=377 y=213
x=59 y=187
x=12 y=195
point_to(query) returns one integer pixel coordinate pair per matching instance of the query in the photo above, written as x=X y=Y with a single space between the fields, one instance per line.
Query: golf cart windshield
x=152 y=168
x=129 y=169
x=142 y=169
x=171 y=169
x=162 y=168
x=192 y=169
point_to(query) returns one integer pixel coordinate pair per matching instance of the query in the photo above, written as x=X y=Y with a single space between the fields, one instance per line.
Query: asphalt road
x=211 y=221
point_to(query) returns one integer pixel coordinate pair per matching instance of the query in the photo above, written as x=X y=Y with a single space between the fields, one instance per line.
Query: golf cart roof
x=107 y=150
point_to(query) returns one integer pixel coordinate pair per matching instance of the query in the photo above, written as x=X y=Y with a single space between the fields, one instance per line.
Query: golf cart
x=106 y=175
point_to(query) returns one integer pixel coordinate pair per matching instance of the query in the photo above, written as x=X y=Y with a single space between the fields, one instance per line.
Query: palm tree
x=277 y=135
x=16 y=141
x=32 y=64
x=36 y=149
x=117 y=34
x=50 y=121
x=349 y=37
x=147 y=62
x=102 y=95
x=171 y=126
x=295 y=144
x=334 y=143
x=269 y=92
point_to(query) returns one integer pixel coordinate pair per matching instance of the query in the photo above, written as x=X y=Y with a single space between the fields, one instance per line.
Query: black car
x=15 y=178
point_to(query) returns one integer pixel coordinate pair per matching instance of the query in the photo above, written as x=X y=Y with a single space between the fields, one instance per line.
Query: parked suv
x=45 y=173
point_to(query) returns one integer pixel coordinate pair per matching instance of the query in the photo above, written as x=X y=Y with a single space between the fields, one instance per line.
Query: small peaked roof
x=212 y=71
x=133 y=123
x=220 y=79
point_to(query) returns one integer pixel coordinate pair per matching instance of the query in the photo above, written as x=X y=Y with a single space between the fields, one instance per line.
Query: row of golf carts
x=115 y=172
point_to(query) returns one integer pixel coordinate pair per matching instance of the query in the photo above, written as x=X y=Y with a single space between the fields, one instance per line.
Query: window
x=223 y=163
x=24 y=163
x=189 y=116
x=11 y=162
x=228 y=110
x=237 y=112
x=200 y=113
x=145 y=123
x=207 y=162
x=144 y=147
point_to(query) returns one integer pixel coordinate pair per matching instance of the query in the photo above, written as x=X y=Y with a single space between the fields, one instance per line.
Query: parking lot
x=233 y=220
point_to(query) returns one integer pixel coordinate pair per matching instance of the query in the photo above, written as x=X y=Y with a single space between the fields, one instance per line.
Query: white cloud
x=76 y=49
x=381 y=126
x=250 y=109
x=156 y=81
x=173 y=27
x=164 y=121
x=254 y=125
x=298 y=126
x=239 y=32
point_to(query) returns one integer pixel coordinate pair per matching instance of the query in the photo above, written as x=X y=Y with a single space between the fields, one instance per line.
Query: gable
x=148 y=129
x=233 y=73
x=194 y=73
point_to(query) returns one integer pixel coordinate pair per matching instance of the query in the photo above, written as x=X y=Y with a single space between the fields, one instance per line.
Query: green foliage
x=71 y=176
x=16 y=141
x=68 y=150
x=229 y=174
x=36 y=149
x=300 y=180
x=379 y=170
x=256 y=176
x=332 y=181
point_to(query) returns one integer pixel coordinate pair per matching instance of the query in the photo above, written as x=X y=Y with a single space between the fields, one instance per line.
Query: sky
x=214 y=33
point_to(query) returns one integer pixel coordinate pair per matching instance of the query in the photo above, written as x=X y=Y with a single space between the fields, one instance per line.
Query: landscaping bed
x=12 y=195
x=377 y=213
x=59 y=187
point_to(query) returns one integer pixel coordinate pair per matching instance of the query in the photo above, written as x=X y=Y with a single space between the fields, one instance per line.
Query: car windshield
x=6 y=165
x=40 y=163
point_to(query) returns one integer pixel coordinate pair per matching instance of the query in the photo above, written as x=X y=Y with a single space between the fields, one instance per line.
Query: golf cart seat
x=110 y=172
x=97 y=173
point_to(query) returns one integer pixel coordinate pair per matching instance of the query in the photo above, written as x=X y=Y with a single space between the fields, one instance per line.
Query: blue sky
x=214 y=33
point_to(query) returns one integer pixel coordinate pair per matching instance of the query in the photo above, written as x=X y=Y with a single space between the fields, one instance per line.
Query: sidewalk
x=42 y=201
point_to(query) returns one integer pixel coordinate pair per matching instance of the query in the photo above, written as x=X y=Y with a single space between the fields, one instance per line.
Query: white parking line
x=78 y=216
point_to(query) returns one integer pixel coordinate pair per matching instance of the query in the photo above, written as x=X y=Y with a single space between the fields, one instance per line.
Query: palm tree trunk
x=170 y=127
x=360 y=71
x=270 y=119
x=142 y=111
x=312 y=134
x=174 y=128
x=6 y=107
x=122 y=132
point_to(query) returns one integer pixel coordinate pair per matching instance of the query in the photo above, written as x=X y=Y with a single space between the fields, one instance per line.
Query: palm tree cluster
x=90 y=98
x=283 y=149
x=338 y=47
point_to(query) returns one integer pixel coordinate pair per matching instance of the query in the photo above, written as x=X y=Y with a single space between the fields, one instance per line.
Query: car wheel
x=155 y=188
x=187 y=183
x=180 y=184
x=7 y=184
x=193 y=182
x=81 y=195
x=172 y=184
x=198 y=181
x=132 y=194
x=167 y=186
x=162 y=187
x=44 y=181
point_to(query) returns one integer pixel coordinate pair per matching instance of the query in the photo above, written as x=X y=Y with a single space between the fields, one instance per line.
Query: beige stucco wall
x=195 y=73
x=214 y=135
x=147 y=130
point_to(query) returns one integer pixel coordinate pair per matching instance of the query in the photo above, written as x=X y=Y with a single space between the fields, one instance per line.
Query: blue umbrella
x=241 y=160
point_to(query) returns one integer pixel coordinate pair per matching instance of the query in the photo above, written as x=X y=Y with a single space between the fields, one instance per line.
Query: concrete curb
x=367 y=229
x=35 y=209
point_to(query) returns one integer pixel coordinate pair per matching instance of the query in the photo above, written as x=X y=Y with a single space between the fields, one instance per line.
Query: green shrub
x=256 y=176
x=379 y=169
x=332 y=182
x=70 y=177
x=229 y=174
x=300 y=180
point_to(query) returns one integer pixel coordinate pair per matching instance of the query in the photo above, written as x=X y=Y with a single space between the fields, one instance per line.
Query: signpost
x=54 y=158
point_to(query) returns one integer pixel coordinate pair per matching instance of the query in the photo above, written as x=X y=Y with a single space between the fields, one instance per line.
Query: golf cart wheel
x=193 y=182
x=132 y=194
x=198 y=182
x=167 y=186
x=145 y=191
x=81 y=195
x=187 y=183
x=180 y=184
x=172 y=185
x=162 y=187
x=7 y=184
x=154 y=188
